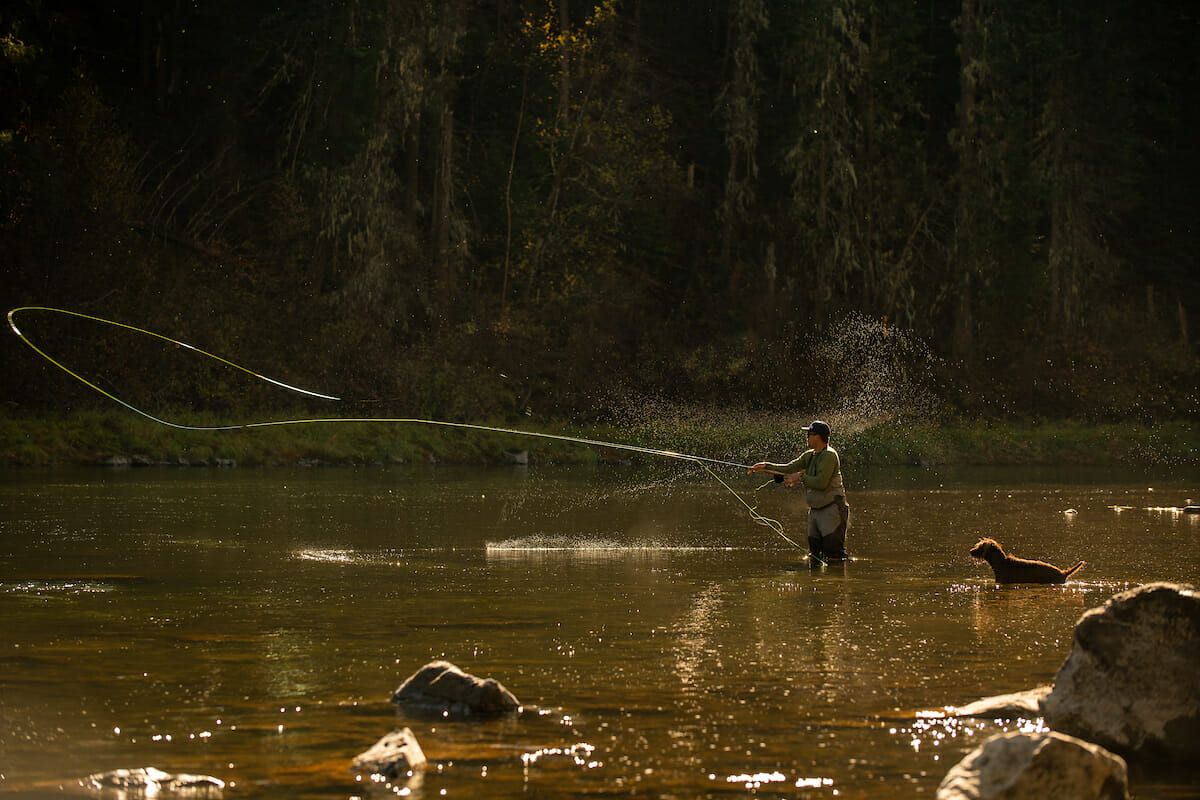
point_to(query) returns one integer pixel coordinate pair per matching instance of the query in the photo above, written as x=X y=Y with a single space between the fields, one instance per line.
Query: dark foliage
x=490 y=209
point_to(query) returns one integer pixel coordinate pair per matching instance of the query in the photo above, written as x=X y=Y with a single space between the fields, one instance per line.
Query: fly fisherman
x=819 y=470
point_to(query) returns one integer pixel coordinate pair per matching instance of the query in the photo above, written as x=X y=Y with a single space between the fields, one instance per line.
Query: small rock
x=1017 y=766
x=394 y=756
x=440 y=687
x=149 y=781
x=1018 y=705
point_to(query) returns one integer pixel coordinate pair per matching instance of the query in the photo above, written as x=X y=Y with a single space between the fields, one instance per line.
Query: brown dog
x=1010 y=569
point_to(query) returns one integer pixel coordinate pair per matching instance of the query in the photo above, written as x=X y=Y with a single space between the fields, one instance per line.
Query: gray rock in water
x=1130 y=682
x=396 y=755
x=147 y=781
x=442 y=688
x=1018 y=705
x=1018 y=766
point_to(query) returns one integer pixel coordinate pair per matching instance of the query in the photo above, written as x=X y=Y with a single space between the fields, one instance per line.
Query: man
x=819 y=470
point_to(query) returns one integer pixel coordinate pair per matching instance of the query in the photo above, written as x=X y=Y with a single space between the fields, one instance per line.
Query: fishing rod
x=673 y=454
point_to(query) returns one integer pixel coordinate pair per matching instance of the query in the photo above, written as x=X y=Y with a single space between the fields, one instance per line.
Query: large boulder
x=1018 y=766
x=1130 y=682
x=439 y=687
x=396 y=755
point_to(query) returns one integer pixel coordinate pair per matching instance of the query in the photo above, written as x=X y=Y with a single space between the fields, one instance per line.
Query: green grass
x=87 y=436
x=1063 y=443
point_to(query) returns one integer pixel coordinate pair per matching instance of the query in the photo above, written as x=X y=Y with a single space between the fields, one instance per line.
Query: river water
x=252 y=624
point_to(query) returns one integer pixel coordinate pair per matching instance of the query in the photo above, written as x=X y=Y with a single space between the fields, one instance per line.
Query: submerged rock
x=1018 y=705
x=1130 y=681
x=439 y=687
x=1017 y=766
x=396 y=755
x=147 y=781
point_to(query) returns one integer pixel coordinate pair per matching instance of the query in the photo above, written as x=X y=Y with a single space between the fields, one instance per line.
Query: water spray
x=701 y=461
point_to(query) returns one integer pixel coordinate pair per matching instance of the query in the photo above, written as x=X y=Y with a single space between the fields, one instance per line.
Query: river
x=252 y=624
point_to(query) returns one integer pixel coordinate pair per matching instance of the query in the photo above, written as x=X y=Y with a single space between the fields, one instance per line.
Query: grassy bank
x=91 y=437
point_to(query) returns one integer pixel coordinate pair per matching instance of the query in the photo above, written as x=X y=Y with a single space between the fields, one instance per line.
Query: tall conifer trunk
x=964 y=252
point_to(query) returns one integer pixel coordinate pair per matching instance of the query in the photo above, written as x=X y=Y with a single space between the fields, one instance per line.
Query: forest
x=496 y=209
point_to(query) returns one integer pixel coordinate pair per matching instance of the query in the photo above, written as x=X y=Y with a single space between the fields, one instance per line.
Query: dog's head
x=985 y=548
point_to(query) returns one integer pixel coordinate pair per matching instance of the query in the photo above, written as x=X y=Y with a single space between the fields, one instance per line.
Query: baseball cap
x=818 y=427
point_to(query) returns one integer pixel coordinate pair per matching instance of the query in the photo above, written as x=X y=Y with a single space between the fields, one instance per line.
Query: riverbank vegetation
x=94 y=438
x=581 y=216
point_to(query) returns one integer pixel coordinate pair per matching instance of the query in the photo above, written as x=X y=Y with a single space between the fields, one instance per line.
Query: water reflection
x=692 y=642
x=584 y=546
x=287 y=654
x=1019 y=610
x=328 y=556
x=252 y=626
x=47 y=589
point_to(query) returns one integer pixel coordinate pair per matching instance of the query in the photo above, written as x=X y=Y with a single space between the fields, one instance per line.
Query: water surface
x=252 y=624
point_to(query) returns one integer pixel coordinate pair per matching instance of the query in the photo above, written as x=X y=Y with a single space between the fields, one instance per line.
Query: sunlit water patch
x=932 y=730
x=349 y=557
x=51 y=588
x=589 y=544
x=329 y=556
x=578 y=754
x=774 y=781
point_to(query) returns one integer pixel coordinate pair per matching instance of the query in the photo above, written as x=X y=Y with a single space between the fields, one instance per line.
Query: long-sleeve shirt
x=822 y=477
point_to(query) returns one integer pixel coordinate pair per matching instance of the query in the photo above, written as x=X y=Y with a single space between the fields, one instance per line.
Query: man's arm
x=820 y=477
x=797 y=464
